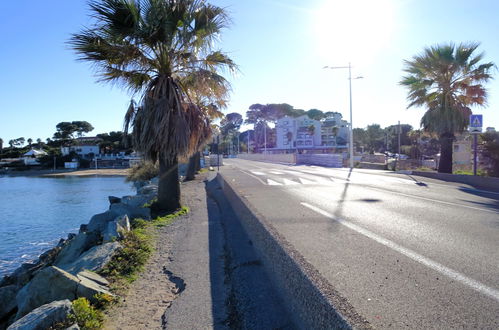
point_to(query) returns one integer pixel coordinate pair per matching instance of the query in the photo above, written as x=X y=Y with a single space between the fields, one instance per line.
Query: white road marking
x=477 y=286
x=273 y=183
x=255 y=177
x=289 y=182
x=275 y=172
x=305 y=181
x=257 y=173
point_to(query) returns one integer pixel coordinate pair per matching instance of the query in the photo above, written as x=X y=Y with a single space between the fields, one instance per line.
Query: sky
x=280 y=46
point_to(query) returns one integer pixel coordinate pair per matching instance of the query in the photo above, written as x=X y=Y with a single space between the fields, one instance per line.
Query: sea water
x=36 y=212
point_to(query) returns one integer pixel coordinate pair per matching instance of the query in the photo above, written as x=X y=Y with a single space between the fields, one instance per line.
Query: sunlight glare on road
x=352 y=30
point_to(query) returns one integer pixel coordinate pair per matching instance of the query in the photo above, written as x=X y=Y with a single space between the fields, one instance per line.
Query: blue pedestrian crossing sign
x=476 y=123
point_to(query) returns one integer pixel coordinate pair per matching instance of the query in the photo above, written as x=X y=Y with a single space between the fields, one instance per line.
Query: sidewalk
x=204 y=273
x=179 y=269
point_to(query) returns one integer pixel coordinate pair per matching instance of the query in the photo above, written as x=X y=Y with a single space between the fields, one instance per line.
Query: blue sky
x=281 y=47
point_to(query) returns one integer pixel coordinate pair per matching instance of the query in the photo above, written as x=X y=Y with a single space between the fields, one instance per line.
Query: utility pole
x=265 y=137
x=400 y=132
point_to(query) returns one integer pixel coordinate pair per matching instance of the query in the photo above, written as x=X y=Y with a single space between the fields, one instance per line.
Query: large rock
x=52 y=284
x=149 y=189
x=132 y=212
x=114 y=200
x=8 y=300
x=44 y=316
x=99 y=221
x=93 y=276
x=75 y=247
x=94 y=259
x=138 y=200
x=116 y=229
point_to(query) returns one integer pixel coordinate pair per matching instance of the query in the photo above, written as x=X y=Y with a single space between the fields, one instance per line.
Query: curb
x=308 y=296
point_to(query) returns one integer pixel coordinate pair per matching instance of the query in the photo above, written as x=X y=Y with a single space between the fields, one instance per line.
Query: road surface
x=406 y=252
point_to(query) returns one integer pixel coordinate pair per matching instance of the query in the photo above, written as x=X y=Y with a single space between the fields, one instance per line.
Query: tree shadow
x=492 y=204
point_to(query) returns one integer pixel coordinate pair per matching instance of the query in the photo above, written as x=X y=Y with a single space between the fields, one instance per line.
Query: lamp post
x=349 y=67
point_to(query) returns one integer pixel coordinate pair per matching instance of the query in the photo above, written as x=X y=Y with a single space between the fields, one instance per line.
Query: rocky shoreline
x=39 y=294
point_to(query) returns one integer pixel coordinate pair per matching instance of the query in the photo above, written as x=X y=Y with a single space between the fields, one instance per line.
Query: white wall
x=276 y=158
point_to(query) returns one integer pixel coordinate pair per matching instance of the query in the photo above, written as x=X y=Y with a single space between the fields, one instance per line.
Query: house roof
x=35 y=152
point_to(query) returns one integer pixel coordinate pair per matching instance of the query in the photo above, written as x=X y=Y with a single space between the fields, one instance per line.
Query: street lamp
x=349 y=67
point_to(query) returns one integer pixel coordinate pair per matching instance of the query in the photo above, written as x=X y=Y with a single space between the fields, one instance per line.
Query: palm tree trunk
x=168 y=186
x=445 y=164
x=191 y=168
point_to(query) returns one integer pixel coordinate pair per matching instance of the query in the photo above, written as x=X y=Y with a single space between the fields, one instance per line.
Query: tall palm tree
x=447 y=80
x=161 y=50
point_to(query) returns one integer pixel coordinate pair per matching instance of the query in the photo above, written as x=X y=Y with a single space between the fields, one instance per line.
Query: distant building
x=296 y=133
x=83 y=150
x=334 y=131
x=31 y=157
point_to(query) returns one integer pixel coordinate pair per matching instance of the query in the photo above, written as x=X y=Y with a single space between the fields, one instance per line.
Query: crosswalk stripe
x=257 y=173
x=305 y=181
x=289 y=182
x=273 y=183
x=275 y=172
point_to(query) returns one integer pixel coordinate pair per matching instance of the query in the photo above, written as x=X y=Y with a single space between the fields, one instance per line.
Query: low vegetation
x=85 y=315
x=143 y=171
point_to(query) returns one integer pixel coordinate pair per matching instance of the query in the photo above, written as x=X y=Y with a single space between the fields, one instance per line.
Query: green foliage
x=85 y=315
x=128 y=261
x=169 y=218
x=143 y=171
x=447 y=80
x=479 y=172
x=490 y=142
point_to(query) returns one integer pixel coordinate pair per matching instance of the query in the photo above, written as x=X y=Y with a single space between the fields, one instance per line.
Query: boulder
x=99 y=221
x=20 y=276
x=52 y=284
x=75 y=247
x=44 y=316
x=138 y=200
x=93 y=276
x=8 y=299
x=114 y=200
x=131 y=212
x=94 y=259
x=148 y=189
x=116 y=229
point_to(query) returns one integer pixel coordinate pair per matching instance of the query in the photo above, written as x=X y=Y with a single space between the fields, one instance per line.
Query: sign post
x=476 y=124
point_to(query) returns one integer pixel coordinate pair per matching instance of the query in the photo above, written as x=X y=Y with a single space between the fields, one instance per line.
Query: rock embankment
x=39 y=294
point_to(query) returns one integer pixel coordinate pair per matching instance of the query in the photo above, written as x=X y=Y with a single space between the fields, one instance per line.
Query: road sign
x=476 y=123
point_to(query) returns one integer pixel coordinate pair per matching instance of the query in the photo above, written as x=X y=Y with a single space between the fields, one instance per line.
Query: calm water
x=36 y=212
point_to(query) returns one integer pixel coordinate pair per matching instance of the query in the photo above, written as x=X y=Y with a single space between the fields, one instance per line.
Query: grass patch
x=462 y=172
x=169 y=218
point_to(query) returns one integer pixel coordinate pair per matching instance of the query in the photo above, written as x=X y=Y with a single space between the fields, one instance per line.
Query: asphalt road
x=406 y=252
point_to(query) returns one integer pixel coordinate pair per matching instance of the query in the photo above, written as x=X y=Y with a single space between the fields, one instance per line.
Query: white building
x=85 y=150
x=31 y=157
x=297 y=133
x=334 y=131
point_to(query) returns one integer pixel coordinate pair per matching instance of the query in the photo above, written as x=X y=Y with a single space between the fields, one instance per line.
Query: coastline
x=76 y=173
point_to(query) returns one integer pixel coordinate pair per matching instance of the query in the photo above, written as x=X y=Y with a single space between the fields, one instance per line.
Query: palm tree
x=162 y=50
x=447 y=80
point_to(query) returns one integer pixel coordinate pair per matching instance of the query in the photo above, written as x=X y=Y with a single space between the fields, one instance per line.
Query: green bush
x=87 y=317
x=129 y=260
x=143 y=172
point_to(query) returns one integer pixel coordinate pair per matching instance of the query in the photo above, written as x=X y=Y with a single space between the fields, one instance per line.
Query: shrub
x=87 y=317
x=143 y=171
x=129 y=260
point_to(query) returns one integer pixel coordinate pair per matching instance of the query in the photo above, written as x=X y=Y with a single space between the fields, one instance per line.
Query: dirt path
x=156 y=288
